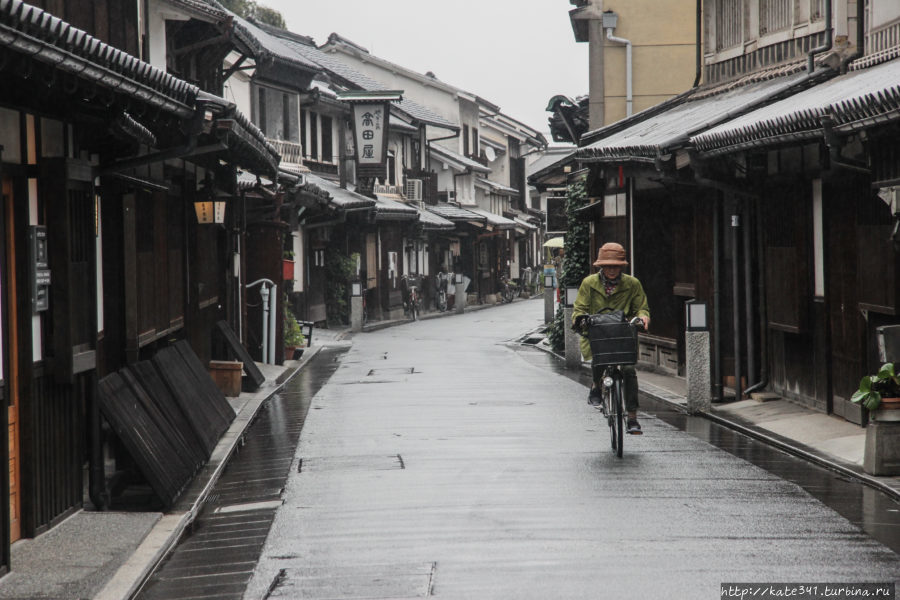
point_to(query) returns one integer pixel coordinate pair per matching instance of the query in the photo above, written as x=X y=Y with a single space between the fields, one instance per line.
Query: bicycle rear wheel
x=619 y=409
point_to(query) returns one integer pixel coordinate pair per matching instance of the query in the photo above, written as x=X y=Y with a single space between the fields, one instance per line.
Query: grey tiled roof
x=497 y=187
x=855 y=100
x=433 y=221
x=495 y=220
x=336 y=66
x=388 y=209
x=453 y=212
x=31 y=31
x=466 y=162
x=215 y=11
x=666 y=129
x=275 y=46
x=341 y=198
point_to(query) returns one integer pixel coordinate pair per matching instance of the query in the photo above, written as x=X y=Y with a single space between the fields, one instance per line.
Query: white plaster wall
x=440 y=101
x=237 y=90
x=156 y=23
x=883 y=12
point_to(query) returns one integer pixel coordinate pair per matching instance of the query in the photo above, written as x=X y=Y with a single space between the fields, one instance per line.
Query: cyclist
x=613 y=289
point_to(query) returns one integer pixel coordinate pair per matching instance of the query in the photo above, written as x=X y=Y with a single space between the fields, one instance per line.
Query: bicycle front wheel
x=609 y=413
x=619 y=409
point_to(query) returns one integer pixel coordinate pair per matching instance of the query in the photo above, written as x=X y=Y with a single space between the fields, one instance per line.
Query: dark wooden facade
x=131 y=272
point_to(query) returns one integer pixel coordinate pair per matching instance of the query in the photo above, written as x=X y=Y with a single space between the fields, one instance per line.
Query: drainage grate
x=389 y=462
x=396 y=370
x=355 y=582
x=247 y=506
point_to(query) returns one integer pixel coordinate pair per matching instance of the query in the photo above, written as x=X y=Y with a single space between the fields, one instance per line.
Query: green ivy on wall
x=577 y=259
x=338 y=270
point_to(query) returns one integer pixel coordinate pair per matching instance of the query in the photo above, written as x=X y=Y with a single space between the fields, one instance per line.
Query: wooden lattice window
x=817 y=9
x=774 y=15
x=729 y=23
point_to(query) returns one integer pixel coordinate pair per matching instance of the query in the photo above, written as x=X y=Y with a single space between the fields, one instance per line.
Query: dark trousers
x=631 y=388
x=631 y=385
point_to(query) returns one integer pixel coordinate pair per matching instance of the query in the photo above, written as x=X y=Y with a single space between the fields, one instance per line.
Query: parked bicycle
x=508 y=290
x=412 y=303
x=441 y=281
x=365 y=309
x=613 y=345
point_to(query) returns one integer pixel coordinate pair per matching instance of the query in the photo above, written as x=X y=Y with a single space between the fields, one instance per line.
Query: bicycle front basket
x=612 y=342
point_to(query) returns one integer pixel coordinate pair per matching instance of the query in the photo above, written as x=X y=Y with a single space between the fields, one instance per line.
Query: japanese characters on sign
x=370 y=123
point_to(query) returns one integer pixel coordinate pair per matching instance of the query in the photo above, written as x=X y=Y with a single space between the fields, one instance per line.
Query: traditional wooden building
x=104 y=262
x=767 y=192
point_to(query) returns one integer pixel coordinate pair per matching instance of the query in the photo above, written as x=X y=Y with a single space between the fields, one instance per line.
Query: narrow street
x=438 y=460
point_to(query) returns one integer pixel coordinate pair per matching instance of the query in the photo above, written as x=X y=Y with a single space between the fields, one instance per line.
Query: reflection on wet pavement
x=876 y=513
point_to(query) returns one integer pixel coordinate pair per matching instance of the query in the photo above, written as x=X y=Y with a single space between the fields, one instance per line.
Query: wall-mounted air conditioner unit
x=414 y=189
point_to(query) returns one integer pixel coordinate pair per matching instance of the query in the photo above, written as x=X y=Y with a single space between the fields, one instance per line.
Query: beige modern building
x=660 y=36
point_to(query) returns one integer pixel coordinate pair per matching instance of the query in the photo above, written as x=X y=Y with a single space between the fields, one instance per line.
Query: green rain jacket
x=629 y=297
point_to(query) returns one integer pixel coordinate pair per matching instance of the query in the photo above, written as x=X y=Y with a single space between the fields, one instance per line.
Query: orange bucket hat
x=611 y=254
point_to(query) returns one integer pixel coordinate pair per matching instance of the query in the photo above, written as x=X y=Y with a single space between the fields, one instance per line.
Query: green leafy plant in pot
x=875 y=388
x=293 y=336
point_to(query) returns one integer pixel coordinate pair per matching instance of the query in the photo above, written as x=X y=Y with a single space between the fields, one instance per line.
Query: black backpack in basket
x=613 y=339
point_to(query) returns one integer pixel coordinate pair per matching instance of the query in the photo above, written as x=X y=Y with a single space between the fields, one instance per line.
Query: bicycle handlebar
x=578 y=325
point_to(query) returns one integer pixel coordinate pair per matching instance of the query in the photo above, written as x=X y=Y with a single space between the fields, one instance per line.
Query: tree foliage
x=338 y=269
x=556 y=332
x=250 y=9
x=577 y=259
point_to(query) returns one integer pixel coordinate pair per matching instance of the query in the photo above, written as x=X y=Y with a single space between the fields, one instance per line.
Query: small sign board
x=38 y=272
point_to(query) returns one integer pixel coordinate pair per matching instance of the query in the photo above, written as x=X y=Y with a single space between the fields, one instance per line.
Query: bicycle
x=441 y=291
x=413 y=303
x=613 y=345
x=507 y=290
x=365 y=311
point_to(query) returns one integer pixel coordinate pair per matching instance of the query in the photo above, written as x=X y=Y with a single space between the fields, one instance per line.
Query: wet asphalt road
x=438 y=460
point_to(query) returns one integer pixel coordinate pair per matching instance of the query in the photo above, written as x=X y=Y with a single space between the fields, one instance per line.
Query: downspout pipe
x=628 y=88
x=834 y=144
x=699 y=31
x=763 y=306
x=860 y=37
x=718 y=395
x=736 y=302
x=749 y=303
x=455 y=134
x=810 y=59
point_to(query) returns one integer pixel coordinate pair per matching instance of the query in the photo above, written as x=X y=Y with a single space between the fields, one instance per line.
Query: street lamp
x=571 y=295
x=548 y=280
x=211 y=209
x=356 y=288
x=457 y=278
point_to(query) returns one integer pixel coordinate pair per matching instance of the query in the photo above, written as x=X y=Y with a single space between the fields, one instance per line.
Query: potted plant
x=293 y=336
x=881 y=390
